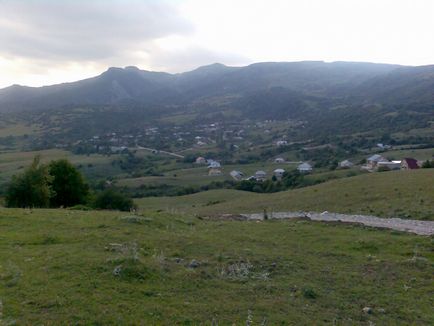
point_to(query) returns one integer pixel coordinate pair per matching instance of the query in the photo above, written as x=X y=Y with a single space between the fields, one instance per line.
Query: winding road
x=413 y=226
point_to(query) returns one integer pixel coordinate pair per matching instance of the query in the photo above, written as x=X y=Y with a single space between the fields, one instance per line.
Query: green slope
x=406 y=194
x=56 y=268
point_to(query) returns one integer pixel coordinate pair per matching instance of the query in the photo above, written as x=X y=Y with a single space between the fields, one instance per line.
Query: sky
x=44 y=42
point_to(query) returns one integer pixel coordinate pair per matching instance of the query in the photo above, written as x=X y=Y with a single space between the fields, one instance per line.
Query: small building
x=200 y=160
x=389 y=165
x=282 y=143
x=237 y=175
x=260 y=175
x=214 y=171
x=409 y=164
x=372 y=162
x=304 y=168
x=278 y=173
x=213 y=164
x=383 y=146
x=279 y=160
x=346 y=164
x=118 y=149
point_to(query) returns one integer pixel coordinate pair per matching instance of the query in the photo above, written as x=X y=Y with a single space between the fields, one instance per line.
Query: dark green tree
x=428 y=164
x=68 y=185
x=30 y=188
x=112 y=199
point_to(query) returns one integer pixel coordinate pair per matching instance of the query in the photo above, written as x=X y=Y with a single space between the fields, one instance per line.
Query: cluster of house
x=377 y=162
x=373 y=163
x=262 y=175
x=214 y=167
x=258 y=176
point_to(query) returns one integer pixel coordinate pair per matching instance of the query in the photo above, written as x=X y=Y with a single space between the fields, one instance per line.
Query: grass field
x=418 y=154
x=17 y=129
x=105 y=268
x=406 y=194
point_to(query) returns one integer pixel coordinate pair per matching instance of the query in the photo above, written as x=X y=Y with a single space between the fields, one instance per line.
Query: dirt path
x=413 y=226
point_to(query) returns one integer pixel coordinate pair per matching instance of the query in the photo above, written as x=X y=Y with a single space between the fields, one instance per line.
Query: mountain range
x=338 y=97
x=345 y=81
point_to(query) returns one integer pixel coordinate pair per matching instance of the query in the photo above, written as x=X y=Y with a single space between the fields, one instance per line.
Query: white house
x=372 y=161
x=214 y=171
x=346 y=164
x=213 y=164
x=236 y=175
x=383 y=146
x=260 y=175
x=200 y=160
x=282 y=143
x=279 y=160
x=304 y=167
x=279 y=173
x=394 y=165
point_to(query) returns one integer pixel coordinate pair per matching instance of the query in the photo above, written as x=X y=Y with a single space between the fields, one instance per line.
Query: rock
x=367 y=310
x=117 y=270
x=381 y=310
x=194 y=264
x=114 y=247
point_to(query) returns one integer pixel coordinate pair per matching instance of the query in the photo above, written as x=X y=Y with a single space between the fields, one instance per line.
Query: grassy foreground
x=101 y=268
x=405 y=194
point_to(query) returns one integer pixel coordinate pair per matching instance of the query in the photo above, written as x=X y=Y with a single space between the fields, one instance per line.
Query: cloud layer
x=50 y=41
x=84 y=30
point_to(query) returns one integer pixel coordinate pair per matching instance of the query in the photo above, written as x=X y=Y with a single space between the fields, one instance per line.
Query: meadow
x=111 y=268
x=405 y=194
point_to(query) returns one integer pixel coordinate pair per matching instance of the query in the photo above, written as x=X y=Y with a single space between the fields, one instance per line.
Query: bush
x=309 y=293
x=428 y=164
x=30 y=188
x=112 y=199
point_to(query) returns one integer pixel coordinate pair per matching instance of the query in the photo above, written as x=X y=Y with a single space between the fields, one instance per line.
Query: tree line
x=59 y=184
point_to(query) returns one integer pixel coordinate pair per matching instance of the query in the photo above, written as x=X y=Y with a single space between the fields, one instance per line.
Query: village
x=374 y=163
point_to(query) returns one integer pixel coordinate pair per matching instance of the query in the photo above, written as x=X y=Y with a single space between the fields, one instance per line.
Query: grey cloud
x=84 y=30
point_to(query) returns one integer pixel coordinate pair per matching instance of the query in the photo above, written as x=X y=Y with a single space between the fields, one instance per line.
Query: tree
x=111 y=199
x=428 y=164
x=31 y=188
x=68 y=185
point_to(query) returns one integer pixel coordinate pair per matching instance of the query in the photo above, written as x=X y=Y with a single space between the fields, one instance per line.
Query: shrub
x=30 y=188
x=309 y=293
x=428 y=164
x=112 y=199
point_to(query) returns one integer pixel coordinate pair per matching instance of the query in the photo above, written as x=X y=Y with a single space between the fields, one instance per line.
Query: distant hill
x=118 y=85
x=345 y=96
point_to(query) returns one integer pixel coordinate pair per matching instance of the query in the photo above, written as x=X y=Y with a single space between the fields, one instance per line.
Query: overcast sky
x=50 y=41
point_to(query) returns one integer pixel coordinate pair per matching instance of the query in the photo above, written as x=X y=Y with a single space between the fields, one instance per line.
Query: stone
x=194 y=264
x=117 y=270
x=367 y=310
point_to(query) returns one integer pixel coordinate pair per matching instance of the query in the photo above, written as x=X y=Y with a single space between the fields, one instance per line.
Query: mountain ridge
x=305 y=84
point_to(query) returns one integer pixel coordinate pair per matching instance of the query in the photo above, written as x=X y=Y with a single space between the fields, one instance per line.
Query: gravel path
x=413 y=226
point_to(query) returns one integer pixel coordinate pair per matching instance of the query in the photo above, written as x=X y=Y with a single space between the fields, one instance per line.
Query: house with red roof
x=409 y=164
